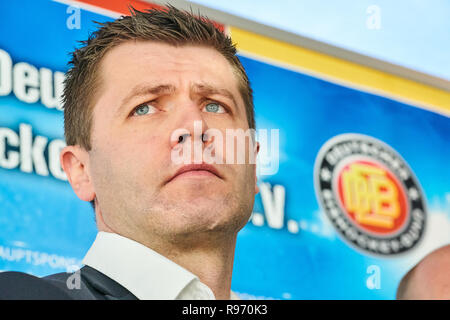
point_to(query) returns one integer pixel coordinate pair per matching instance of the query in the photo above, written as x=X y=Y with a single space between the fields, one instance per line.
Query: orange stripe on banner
x=121 y=6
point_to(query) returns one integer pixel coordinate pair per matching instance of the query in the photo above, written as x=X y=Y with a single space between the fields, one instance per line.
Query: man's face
x=430 y=279
x=130 y=163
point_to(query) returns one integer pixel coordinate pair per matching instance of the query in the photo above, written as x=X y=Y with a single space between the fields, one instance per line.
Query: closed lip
x=196 y=167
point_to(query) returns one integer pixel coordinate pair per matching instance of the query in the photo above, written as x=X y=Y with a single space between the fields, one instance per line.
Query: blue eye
x=144 y=109
x=215 y=107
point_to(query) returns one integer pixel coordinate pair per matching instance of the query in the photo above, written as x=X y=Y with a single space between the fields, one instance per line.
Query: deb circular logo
x=370 y=194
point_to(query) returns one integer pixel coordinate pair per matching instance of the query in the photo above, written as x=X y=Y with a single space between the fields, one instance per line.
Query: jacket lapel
x=106 y=286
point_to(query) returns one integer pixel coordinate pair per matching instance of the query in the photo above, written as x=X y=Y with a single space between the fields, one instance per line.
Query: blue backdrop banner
x=356 y=193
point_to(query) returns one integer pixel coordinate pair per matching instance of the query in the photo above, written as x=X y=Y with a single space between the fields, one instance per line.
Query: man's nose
x=190 y=126
x=183 y=137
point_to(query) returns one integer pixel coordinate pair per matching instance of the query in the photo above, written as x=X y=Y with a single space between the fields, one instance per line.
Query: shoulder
x=84 y=284
x=23 y=286
x=75 y=285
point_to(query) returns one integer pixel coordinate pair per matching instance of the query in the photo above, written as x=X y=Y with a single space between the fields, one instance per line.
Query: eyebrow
x=197 y=88
x=146 y=89
x=208 y=90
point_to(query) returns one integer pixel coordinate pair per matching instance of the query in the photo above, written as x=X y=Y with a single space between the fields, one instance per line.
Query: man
x=143 y=91
x=429 y=279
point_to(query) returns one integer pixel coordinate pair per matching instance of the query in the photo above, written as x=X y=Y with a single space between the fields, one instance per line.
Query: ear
x=256 y=179
x=74 y=161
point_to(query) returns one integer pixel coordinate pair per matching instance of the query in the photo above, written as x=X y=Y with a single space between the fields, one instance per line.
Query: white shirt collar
x=144 y=272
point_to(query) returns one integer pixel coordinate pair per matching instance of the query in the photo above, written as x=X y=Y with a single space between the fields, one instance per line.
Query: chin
x=182 y=213
x=204 y=216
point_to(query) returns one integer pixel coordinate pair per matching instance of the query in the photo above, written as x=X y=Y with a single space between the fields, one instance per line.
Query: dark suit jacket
x=88 y=284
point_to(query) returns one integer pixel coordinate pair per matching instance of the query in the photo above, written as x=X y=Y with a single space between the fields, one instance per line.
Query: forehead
x=135 y=62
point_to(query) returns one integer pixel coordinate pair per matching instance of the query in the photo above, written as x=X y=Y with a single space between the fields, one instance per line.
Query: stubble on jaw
x=190 y=225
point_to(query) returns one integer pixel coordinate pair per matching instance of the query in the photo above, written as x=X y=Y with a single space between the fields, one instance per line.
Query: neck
x=211 y=263
x=209 y=257
x=214 y=268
